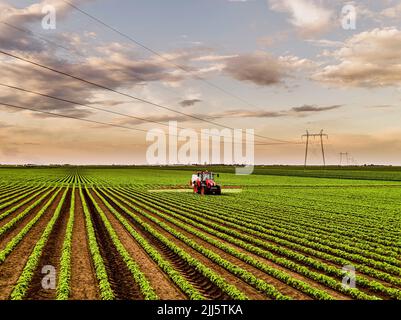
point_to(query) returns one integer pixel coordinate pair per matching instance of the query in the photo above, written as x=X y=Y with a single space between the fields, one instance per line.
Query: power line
x=71 y=117
x=127 y=95
x=31 y=34
x=82 y=119
x=105 y=110
x=83 y=105
x=138 y=43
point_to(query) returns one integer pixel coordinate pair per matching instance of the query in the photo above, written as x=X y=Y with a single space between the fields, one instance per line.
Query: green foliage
x=64 y=286
x=10 y=246
x=297 y=226
x=21 y=288
x=175 y=276
x=138 y=276
x=231 y=290
x=106 y=292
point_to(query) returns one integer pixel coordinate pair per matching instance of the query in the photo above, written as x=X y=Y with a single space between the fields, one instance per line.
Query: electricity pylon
x=342 y=154
x=315 y=135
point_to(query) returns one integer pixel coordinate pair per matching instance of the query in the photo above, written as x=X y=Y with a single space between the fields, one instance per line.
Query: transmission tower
x=346 y=155
x=314 y=136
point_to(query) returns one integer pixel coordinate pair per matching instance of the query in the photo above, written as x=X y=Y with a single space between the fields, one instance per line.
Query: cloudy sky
x=278 y=67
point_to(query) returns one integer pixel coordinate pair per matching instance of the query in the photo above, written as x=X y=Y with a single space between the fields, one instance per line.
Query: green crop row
x=175 y=276
x=275 y=220
x=106 y=292
x=282 y=276
x=308 y=234
x=219 y=281
x=292 y=243
x=14 y=192
x=16 y=240
x=248 y=277
x=278 y=213
x=325 y=280
x=369 y=284
x=16 y=199
x=372 y=285
x=138 y=276
x=21 y=288
x=20 y=204
x=63 y=285
x=23 y=214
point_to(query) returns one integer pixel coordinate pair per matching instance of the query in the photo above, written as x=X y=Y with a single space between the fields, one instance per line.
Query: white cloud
x=392 y=12
x=306 y=15
x=213 y=58
x=368 y=59
x=326 y=43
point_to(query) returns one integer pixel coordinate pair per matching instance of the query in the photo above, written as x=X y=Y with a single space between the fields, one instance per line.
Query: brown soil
x=158 y=279
x=241 y=285
x=51 y=255
x=12 y=267
x=83 y=279
x=119 y=276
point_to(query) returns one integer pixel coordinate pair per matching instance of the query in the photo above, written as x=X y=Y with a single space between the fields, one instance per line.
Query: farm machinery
x=203 y=183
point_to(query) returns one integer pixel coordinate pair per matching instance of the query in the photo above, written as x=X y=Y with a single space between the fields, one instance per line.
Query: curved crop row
x=304 y=221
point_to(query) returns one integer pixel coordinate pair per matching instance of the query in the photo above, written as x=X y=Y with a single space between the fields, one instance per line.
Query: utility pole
x=315 y=135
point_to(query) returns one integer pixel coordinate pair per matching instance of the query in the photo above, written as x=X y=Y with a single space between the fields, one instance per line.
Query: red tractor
x=203 y=183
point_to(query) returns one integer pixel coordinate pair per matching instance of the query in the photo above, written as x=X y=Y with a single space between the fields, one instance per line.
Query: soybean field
x=142 y=234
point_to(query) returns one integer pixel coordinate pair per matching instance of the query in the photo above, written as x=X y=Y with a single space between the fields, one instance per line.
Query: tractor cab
x=203 y=183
